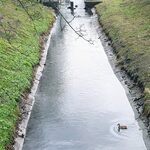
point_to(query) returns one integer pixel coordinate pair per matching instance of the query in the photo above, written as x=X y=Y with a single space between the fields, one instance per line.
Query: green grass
x=19 y=53
x=127 y=22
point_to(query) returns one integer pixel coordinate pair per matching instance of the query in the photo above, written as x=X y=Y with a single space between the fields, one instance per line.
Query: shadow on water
x=80 y=100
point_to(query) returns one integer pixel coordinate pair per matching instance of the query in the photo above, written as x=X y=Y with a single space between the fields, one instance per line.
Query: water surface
x=80 y=100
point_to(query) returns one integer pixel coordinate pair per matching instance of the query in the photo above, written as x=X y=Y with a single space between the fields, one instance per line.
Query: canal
x=80 y=101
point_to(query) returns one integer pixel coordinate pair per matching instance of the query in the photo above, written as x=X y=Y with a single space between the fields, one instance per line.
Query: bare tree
x=79 y=32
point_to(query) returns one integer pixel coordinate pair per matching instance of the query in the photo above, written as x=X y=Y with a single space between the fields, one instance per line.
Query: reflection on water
x=80 y=101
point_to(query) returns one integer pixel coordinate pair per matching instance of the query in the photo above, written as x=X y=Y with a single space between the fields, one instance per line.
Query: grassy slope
x=19 y=53
x=127 y=22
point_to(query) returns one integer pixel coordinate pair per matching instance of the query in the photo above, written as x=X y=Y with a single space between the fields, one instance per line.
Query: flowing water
x=80 y=100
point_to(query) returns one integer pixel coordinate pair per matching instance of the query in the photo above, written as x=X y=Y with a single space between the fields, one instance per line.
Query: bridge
x=55 y=3
x=51 y=3
x=91 y=3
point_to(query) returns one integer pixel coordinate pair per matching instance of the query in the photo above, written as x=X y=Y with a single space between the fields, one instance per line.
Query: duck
x=121 y=127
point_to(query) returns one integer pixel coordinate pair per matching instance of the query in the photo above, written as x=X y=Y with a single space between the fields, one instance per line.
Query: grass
x=127 y=23
x=19 y=53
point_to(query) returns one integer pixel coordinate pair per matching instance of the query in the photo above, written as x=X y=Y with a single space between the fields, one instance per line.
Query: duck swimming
x=121 y=127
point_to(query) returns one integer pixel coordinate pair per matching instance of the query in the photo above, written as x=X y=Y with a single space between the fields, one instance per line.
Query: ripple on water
x=123 y=134
x=62 y=143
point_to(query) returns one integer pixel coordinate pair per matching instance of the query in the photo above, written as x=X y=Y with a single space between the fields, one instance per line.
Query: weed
x=19 y=53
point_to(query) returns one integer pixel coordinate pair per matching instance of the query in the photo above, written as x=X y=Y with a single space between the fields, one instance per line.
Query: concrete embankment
x=127 y=24
x=22 y=26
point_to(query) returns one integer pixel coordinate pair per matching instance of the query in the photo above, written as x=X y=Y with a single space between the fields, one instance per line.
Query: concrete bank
x=20 y=47
x=29 y=102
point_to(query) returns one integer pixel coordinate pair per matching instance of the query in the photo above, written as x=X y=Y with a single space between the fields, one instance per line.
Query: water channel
x=80 y=100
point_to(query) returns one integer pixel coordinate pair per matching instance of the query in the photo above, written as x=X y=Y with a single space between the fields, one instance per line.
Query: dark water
x=80 y=101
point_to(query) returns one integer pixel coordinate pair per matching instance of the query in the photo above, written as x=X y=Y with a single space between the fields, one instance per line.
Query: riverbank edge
x=133 y=91
x=144 y=107
x=115 y=25
x=28 y=103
